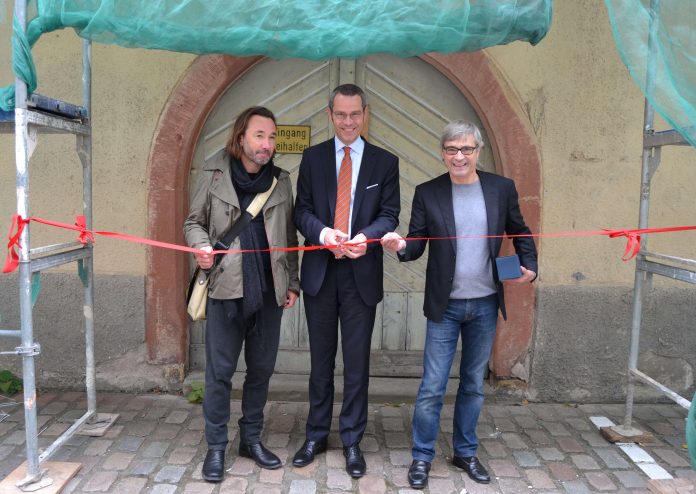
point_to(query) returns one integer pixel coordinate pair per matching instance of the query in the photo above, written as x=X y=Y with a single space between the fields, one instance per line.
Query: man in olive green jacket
x=247 y=292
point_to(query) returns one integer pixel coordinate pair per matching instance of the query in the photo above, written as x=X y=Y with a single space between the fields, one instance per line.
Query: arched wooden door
x=410 y=102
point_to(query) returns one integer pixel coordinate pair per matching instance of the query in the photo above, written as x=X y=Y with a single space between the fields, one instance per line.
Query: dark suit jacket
x=432 y=215
x=376 y=209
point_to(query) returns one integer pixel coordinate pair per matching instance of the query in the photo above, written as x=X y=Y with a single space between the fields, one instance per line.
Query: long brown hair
x=234 y=145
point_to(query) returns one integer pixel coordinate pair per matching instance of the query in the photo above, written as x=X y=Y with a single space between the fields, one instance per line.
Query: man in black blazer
x=463 y=291
x=344 y=282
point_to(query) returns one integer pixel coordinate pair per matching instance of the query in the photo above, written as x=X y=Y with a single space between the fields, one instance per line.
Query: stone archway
x=512 y=141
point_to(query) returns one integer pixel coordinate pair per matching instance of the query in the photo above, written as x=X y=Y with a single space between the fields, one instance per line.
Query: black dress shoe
x=355 y=461
x=214 y=465
x=305 y=455
x=472 y=466
x=418 y=474
x=262 y=456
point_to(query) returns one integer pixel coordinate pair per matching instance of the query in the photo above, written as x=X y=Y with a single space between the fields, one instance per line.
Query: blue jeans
x=475 y=319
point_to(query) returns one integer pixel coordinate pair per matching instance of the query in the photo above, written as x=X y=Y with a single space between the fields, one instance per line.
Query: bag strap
x=251 y=212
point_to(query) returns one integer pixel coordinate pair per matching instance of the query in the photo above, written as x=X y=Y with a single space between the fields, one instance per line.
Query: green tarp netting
x=311 y=29
x=673 y=61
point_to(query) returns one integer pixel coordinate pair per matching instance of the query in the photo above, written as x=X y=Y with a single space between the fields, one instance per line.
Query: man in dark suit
x=463 y=291
x=347 y=192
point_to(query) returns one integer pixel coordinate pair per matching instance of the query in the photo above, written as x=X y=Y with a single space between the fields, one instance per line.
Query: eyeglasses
x=466 y=150
x=342 y=116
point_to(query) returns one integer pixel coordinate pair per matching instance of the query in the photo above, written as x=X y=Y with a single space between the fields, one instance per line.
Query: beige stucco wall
x=130 y=87
x=587 y=116
x=582 y=104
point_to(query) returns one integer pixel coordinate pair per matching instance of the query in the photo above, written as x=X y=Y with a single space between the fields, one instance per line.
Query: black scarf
x=253 y=277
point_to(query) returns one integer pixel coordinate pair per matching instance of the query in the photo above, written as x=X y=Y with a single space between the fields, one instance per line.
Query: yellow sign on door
x=292 y=139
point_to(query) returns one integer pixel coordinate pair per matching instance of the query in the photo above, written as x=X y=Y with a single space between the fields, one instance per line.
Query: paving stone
x=570 y=445
x=182 y=456
x=503 y=468
x=272 y=476
x=198 y=488
x=156 y=449
x=630 y=479
x=576 y=487
x=118 y=461
x=141 y=429
x=611 y=457
x=374 y=462
x=165 y=431
x=129 y=486
x=281 y=423
x=600 y=481
x=100 y=482
x=595 y=439
x=338 y=479
x=441 y=468
x=144 y=467
x=562 y=471
x=369 y=444
x=495 y=449
x=170 y=473
x=580 y=424
x=443 y=486
x=671 y=457
x=526 y=459
x=164 y=489
x=191 y=438
x=98 y=447
x=538 y=436
x=266 y=490
x=550 y=454
x=539 y=479
x=513 y=440
x=372 y=484
x=16 y=438
x=397 y=440
x=303 y=487
x=129 y=443
x=513 y=486
x=400 y=457
x=556 y=428
x=233 y=485
x=527 y=422
x=584 y=462
x=242 y=466
x=505 y=424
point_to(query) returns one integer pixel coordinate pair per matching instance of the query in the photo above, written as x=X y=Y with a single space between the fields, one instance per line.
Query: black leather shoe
x=305 y=455
x=262 y=456
x=214 y=465
x=472 y=466
x=418 y=474
x=355 y=461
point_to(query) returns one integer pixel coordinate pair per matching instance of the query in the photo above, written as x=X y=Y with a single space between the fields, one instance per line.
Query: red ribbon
x=12 y=260
x=86 y=236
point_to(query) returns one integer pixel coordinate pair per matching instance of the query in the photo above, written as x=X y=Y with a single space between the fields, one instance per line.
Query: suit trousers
x=225 y=333
x=338 y=300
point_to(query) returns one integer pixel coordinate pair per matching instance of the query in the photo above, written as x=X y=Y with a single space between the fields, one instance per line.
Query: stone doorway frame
x=512 y=141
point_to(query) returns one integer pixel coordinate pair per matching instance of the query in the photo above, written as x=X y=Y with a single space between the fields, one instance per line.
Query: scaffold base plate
x=613 y=434
x=98 y=425
x=59 y=472
x=672 y=486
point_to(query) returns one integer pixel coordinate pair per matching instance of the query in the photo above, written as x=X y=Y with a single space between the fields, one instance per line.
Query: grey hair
x=348 y=90
x=460 y=128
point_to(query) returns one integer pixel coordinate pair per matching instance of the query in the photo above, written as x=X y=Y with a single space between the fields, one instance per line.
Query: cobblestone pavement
x=157 y=446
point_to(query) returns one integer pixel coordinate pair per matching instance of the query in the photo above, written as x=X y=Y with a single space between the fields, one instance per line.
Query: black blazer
x=376 y=209
x=432 y=215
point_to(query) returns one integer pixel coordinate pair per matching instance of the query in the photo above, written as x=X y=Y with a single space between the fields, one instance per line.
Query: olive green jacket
x=214 y=208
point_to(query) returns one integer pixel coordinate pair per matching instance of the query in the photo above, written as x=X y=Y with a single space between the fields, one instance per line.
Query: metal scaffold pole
x=34 y=114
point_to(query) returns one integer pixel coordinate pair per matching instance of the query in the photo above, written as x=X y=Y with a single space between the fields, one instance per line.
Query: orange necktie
x=345 y=180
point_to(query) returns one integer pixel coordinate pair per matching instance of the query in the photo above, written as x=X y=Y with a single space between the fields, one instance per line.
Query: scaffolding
x=34 y=115
x=650 y=263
